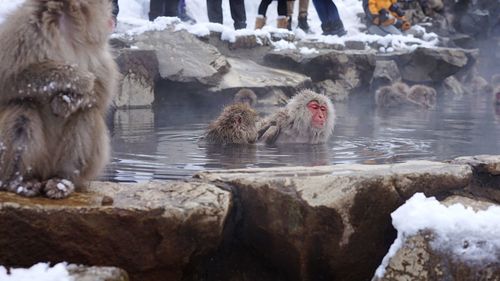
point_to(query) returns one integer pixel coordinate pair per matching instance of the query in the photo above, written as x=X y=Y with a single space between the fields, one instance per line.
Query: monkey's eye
x=314 y=106
x=322 y=108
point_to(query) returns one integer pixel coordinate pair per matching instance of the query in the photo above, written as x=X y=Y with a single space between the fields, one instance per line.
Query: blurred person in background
x=214 y=9
x=331 y=24
x=163 y=8
x=301 y=18
x=385 y=17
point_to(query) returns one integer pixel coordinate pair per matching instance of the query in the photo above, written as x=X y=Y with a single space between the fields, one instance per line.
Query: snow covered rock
x=455 y=240
x=182 y=57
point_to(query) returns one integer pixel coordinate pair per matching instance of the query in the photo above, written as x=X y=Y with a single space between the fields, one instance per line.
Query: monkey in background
x=392 y=96
x=57 y=78
x=495 y=86
x=308 y=117
x=246 y=96
x=423 y=96
x=399 y=95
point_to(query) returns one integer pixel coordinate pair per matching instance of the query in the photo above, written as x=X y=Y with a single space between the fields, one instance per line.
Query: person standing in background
x=163 y=8
x=260 y=20
x=385 y=17
x=214 y=10
x=331 y=24
x=301 y=18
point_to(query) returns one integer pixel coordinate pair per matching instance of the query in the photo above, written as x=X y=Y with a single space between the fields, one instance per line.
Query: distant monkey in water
x=246 y=96
x=422 y=95
x=392 y=95
x=308 y=117
x=57 y=78
x=495 y=86
x=235 y=125
x=400 y=95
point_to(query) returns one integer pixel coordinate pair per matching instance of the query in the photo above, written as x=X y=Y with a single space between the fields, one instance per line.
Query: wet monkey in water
x=308 y=117
x=57 y=78
x=235 y=125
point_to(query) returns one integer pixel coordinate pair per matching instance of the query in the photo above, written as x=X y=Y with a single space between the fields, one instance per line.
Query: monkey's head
x=86 y=22
x=423 y=95
x=238 y=116
x=313 y=111
x=246 y=96
x=387 y=96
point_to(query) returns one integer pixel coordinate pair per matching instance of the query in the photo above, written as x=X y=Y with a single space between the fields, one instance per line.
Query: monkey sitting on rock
x=399 y=95
x=57 y=78
x=307 y=118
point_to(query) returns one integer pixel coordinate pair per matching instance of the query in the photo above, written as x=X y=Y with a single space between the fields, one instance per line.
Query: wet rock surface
x=319 y=223
x=290 y=223
x=152 y=230
x=94 y=273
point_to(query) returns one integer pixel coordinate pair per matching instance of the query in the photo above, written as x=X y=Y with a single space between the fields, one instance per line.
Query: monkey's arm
x=270 y=128
x=66 y=87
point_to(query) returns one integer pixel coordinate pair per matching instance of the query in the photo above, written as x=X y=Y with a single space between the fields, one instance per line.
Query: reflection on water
x=163 y=143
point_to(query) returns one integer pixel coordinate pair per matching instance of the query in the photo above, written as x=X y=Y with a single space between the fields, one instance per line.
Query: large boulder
x=152 y=230
x=182 y=57
x=245 y=73
x=386 y=73
x=331 y=222
x=139 y=69
x=434 y=64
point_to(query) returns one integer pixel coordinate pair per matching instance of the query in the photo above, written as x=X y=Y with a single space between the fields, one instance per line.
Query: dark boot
x=289 y=24
x=333 y=28
x=303 y=24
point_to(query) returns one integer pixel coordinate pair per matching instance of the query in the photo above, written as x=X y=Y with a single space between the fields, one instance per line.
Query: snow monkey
x=392 y=95
x=246 y=96
x=423 y=96
x=235 y=125
x=57 y=78
x=307 y=118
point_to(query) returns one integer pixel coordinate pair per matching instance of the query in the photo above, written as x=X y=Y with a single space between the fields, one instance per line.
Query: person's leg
x=238 y=13
x=321 y=9
x=156 y=9
x=302 y=18
x=282 y=8
x=171 y=7
x=214 y=10
x=391 y=29
x=264 y=4
x=289 y=13
x=383 y=30
x=182 y=12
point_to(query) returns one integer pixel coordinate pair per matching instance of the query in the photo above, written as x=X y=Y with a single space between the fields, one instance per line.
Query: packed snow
x=38 y=272
x=454 y=226
x=133 y=19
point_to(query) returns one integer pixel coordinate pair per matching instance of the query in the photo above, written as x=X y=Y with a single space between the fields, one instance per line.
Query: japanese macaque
x=235 y=125
x=424 y=96
x=246 y=96
x=57 y=78
x=307 y=118
x=400 y=95
x=392 y=96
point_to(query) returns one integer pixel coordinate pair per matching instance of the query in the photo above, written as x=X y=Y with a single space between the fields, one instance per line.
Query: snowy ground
x=133 y=19
x=38 y=272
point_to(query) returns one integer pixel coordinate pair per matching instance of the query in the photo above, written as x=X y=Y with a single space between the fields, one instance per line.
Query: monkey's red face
x=319 y=114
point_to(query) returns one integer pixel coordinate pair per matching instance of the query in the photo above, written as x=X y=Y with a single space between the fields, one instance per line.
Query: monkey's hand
x=45 y=79
x=64 y=104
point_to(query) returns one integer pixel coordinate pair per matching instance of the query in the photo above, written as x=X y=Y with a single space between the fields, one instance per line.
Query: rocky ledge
x=294 y=223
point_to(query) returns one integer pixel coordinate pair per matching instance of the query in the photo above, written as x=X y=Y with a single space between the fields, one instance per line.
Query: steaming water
x=162 y=143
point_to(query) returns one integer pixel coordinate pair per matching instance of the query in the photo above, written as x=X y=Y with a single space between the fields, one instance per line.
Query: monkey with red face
x=307 y=118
